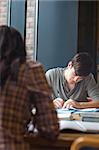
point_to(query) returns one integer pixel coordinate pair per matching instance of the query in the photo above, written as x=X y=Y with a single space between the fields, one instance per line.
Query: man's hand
x=71 y=103
x=58 y=102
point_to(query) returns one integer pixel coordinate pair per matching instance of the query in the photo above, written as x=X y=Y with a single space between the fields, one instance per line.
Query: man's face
x=72 y=77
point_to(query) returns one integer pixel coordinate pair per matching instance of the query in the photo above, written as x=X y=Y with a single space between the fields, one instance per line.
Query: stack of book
x=86 y=120
x=89 y=115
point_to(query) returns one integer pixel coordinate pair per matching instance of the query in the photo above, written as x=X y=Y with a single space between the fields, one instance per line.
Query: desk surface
x=64 y=140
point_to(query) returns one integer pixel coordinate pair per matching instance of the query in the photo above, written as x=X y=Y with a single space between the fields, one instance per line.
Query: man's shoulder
x=90 y=76
x=90 y=79
x=55 y=70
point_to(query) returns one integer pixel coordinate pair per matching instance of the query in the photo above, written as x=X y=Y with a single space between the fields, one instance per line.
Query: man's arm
x=71 y=103
x=91 y=104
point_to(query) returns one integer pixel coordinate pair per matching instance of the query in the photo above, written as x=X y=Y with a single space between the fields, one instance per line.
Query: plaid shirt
x=15 y=98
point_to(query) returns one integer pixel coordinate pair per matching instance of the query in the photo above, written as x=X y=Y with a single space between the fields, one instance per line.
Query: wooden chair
x=82 y=142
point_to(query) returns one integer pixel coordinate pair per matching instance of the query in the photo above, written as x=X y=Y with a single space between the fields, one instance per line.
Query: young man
x=72 y=85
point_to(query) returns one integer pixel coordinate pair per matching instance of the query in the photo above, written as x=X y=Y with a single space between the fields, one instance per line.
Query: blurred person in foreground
x=74 y=85
x=22 y=84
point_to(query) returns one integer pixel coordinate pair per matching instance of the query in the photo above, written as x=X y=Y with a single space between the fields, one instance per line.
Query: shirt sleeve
x=92 y=88
x=46 y=116
x=50 y=76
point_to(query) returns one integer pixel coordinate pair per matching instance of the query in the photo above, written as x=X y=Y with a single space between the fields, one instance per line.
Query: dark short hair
x=82 y=63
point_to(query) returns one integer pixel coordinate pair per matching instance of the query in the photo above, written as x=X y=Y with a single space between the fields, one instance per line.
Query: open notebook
x=86 y=120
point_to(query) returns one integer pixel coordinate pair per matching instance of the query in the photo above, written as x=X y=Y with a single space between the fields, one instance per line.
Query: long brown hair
x=12 y=52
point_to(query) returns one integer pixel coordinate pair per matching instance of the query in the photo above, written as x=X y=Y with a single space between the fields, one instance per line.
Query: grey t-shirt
x=83 y=89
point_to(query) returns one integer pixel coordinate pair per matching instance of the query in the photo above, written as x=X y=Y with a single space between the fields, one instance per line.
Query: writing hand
x=58 y=102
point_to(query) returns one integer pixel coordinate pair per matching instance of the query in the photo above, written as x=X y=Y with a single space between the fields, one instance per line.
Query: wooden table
x=63 y=142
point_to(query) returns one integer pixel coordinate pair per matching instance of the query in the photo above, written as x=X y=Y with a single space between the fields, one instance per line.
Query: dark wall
x=57 y=32
x=87 y=30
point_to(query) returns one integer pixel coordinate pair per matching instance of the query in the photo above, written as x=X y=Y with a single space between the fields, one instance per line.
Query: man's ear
x=70 y=64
